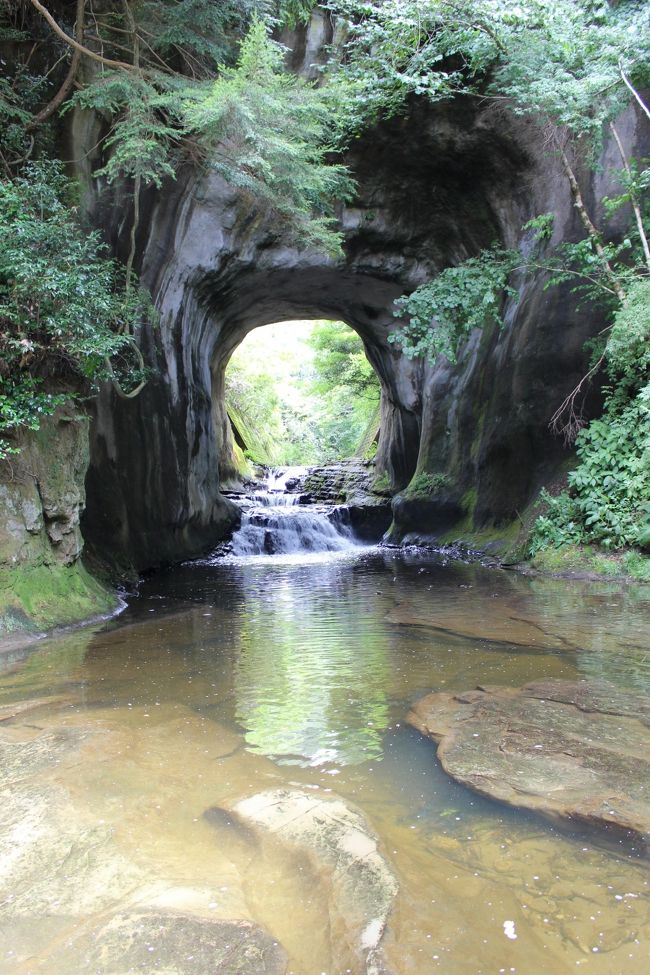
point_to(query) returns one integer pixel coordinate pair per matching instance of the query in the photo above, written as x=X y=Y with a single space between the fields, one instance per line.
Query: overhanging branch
x=81 y=48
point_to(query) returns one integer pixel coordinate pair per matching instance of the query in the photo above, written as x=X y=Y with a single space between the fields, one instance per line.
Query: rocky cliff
x=42 y=496
x=434 y=188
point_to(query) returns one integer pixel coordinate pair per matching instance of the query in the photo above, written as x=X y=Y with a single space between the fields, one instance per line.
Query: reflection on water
x=312 y=675
x=222 y=680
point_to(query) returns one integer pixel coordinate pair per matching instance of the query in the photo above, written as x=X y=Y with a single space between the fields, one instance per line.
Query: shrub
x=64 y=313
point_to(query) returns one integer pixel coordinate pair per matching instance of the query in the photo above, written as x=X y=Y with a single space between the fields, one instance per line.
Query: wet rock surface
x=509 y=625
x=339 y=483
x=343 y=843
x=350 y=484
x=72 y=899
x=577 y=751
x=163 y=941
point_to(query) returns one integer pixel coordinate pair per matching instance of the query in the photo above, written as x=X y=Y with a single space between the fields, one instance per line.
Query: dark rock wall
x=42 y=494
x=434 y=188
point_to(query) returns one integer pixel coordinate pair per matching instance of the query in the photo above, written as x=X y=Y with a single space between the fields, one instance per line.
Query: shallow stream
x=226 y=678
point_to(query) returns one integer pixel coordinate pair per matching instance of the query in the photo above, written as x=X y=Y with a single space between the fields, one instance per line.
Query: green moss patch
x=588 y=560
x=41 y=597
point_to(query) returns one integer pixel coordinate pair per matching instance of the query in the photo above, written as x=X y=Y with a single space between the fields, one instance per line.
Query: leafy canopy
x=560 y=60
x=458 y=300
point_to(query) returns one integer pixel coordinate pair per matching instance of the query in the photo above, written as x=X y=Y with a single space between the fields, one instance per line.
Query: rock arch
x=434 y=187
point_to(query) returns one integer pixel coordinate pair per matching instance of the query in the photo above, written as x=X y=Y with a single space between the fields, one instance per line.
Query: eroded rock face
x=577 y=751
x=42 y=494
x=434 y=188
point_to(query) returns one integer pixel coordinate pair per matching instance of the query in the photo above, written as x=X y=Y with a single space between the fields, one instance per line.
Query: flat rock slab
x=572 y=750
x=340 y=839
x=505 y=625
x=174 y=944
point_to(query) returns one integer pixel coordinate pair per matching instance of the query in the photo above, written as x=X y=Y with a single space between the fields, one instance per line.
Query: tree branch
x=633 y=198
x=68 y=82
x=108 y=62
x=115 y=382
x=571 y=426
x=592 y=231
x=628 y=84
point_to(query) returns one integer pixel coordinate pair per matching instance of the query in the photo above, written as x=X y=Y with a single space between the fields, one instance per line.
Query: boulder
x=177 y=944
x=574 y=751
x=344 y=846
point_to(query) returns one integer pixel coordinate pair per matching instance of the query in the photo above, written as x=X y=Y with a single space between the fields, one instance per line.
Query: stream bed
x=238 y=675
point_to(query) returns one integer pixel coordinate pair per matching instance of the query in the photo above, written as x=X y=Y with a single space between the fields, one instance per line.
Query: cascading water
x=278 y=521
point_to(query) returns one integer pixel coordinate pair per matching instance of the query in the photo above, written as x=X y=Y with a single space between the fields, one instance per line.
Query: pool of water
x=226 y=678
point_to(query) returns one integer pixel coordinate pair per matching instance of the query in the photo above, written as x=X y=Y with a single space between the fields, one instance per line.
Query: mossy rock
x=36 y=598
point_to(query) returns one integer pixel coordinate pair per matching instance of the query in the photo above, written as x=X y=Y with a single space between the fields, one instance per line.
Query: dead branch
x=568 y=419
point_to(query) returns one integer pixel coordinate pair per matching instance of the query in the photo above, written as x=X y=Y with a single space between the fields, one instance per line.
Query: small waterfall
x=277 y=521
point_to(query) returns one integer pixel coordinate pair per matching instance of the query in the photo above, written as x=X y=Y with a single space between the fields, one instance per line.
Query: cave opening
x=162 y=466
x=301 y=392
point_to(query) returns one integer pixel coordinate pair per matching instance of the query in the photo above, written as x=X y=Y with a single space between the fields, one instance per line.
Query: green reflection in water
x=309 y=690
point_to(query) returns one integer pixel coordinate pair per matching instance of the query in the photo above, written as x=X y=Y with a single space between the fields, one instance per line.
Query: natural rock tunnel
x=433 y=188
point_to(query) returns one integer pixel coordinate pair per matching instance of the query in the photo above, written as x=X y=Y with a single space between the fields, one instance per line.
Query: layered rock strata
x=573 y=751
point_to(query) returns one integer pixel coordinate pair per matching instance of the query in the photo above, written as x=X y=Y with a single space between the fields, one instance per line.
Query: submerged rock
x=343 y=844
x=73 y=898
x=178 y=944
x=577 y=751
x=496 y=622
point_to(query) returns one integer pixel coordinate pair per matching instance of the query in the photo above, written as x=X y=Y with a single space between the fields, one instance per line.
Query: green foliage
x=444 y=311
x=557 y=60
x=174 y=47
x=266 y=132
x=253 y=402
x=346 y=387
x=62 y=314
x=146 y=117
x=580 y=559
x=306 y=400
x=562 y=61
x=612 y=482
x=560 y=525
x=608 y=502
x=263 y=129
x=609 y=498
x=194 y=35
x=19 y=96
x=395 y=49
x=22 y=403
x=637 y=565
x=339 y=359
x=292 y=13
x=628 y=342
